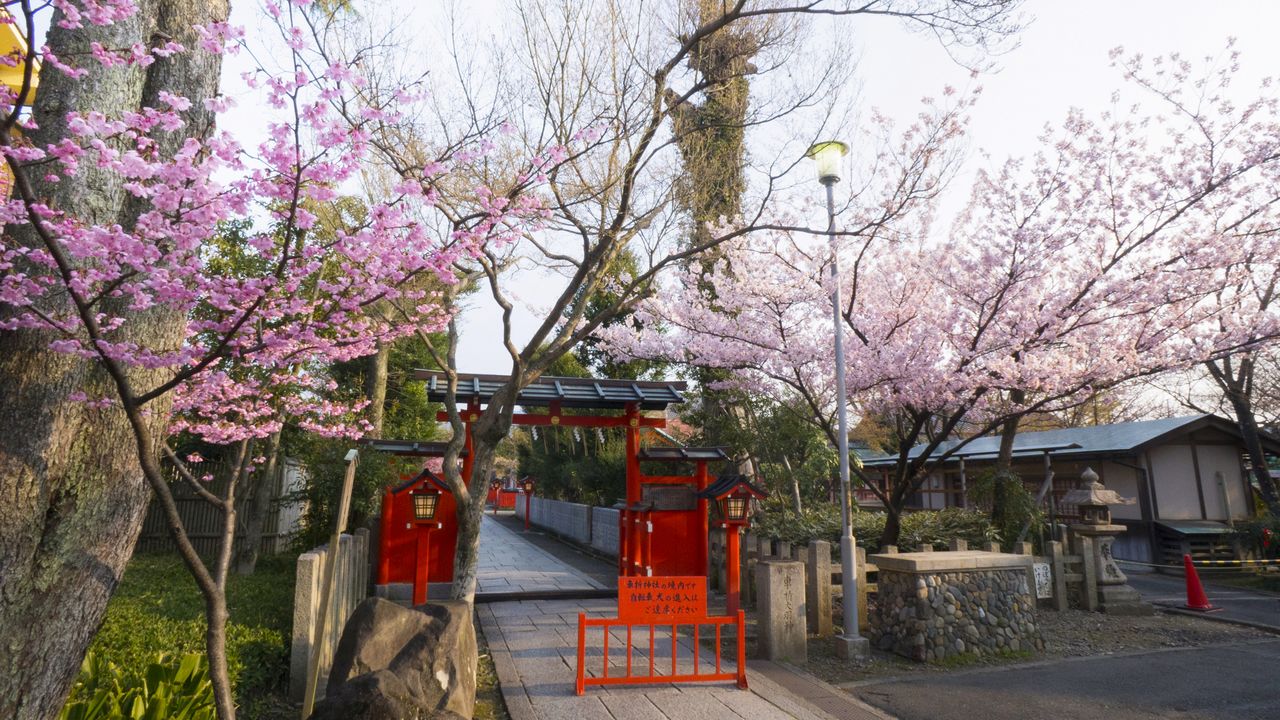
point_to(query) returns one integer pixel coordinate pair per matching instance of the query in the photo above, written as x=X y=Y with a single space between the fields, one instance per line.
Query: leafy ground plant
x=171 y=688
x=157 y=609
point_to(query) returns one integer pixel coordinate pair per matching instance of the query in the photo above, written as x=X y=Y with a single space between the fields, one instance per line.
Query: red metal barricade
x=652 y=673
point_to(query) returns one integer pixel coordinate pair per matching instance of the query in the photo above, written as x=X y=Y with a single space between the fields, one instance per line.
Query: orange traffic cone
x=1196 y=599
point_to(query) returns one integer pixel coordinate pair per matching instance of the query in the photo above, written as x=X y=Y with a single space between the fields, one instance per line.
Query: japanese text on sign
x=662 y=599
x=1044 y=581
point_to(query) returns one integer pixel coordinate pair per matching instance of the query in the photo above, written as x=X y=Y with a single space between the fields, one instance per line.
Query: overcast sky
x=1061 y=61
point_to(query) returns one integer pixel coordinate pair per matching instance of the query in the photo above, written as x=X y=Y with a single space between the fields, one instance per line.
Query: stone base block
x=1123 y=600
x=852 y=648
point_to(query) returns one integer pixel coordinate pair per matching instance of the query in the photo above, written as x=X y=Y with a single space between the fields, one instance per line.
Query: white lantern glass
x=826 y=155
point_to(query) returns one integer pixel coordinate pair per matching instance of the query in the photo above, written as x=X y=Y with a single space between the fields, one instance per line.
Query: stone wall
x=596 y=527
x=604 y=530
x=932 y=606
x=570 y=520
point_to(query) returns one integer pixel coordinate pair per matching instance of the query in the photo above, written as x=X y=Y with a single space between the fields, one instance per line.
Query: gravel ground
x=1073 y=633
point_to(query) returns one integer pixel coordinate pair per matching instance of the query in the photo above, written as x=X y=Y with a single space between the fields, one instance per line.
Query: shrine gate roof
x=414 y=448
x=677 y=454
x=569 y=392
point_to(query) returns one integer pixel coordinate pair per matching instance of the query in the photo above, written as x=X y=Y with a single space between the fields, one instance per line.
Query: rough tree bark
x=255 y=514
x=375 y=387
x=1003 y=474
x=74 y=494
x=1235 y=379
x=710 y=136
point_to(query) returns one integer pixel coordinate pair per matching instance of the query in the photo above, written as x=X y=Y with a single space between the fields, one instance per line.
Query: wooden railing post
x=1058 y=567
x=818 y=588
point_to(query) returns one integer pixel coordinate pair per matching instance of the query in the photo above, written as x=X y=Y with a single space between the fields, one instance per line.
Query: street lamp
x=733 y=495
x=426 y=499
x=528 y=501
x=827 y=156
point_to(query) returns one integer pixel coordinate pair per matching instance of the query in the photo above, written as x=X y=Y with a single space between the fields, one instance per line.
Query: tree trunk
x=74 y=493
x=795 y=485
x=1004 y=466
x=892 y=526
x=255 y=515
x=375 y=387
x=1248 y=424
x=470 y=492
x=1235 y=379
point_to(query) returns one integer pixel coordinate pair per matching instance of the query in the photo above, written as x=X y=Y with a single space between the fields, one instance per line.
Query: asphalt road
x=1234 y=681
x=1231 y=603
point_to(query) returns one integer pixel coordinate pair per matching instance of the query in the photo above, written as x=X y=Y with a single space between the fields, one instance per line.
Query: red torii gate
x=661 y=513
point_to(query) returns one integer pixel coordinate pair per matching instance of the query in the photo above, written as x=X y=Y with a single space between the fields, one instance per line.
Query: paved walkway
x=1214 y=682
x=534 y=649
x=1250 y=607
x=509 y=564
x=534 y=644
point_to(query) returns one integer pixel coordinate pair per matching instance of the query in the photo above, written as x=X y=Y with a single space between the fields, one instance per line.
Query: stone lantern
x=1093 y=539
x=1094 y=500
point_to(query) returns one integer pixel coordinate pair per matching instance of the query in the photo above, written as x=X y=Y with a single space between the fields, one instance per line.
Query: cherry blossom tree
x=1101 y=259
x=120 y=327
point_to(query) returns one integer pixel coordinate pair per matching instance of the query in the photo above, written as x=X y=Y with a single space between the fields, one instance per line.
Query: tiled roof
x=1115 y=439
x=571 y=392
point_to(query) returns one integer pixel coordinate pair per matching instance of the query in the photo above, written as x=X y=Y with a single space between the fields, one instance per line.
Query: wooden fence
x=1060 y=579
x=351 y=584
x=204 y=521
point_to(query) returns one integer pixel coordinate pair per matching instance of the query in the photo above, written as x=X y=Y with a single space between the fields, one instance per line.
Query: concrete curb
x=1051 y=662
x=819 y=697
x=1217 y=617
x=519 y=706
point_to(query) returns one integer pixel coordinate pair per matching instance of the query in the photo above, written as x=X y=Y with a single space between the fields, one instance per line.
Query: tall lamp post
x=827 y=155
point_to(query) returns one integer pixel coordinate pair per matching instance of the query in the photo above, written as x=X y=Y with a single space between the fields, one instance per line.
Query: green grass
x=157 y=608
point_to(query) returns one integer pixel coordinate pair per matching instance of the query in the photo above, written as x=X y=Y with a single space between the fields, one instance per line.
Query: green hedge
x=157 y=609
x=936 y=528
x=1260 y=535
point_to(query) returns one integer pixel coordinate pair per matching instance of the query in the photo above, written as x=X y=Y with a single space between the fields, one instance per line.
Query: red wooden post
x=622 y=543
x=422 y=559
x=384 y=539
x=648 y=543
x=528 y=505
x=470 y=415
x=582 y=652
x=742 y=650
x=633 y=447
x=704 y=523
x=731 y=559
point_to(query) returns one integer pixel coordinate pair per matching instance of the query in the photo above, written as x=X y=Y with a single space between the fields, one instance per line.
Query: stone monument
x=1114 y=594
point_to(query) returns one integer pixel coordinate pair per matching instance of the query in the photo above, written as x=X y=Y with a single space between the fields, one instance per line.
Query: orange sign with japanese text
x=670 y=599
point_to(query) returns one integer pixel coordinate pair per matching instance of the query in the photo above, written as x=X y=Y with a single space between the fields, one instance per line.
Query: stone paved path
x=534 y=647
x=510 y=564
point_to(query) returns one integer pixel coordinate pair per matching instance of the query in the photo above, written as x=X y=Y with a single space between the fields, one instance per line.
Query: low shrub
x=935 y=528
x=157 y=609
x=1260 y=535
x=168 y=688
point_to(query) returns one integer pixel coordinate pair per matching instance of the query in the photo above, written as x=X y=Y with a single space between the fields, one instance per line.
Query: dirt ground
x=1073 y=633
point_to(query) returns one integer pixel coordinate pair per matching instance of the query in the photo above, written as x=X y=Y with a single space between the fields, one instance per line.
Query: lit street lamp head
x=827 y=155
